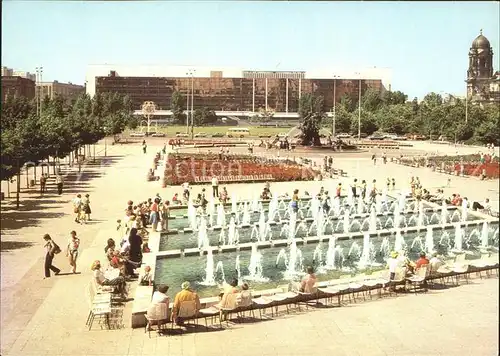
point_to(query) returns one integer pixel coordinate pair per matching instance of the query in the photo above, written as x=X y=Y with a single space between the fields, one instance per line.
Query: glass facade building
x=253 y=91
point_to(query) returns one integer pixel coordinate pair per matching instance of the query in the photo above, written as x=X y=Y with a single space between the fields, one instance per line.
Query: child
x=147 y=278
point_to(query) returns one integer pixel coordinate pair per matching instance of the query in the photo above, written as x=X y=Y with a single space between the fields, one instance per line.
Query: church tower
x=480 y=72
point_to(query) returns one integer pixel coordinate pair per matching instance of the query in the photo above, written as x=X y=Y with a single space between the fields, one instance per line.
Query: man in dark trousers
x=59 y=183
x=43 y=182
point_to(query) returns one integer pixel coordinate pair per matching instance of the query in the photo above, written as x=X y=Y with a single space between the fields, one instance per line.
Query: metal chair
x=157 y=314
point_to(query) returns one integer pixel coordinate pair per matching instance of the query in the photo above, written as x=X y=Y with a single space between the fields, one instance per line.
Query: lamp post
x=334 y=103
x=191 y=73
x=105 y=141
x=39 y=75
x=359 y=106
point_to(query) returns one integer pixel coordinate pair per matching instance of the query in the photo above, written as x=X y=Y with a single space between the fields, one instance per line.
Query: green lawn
x=210 y=130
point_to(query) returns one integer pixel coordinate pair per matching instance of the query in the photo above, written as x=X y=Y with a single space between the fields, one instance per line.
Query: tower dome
x=481 y=42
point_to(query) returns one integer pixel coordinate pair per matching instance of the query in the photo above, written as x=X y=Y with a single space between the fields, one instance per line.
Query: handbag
x=56 y=249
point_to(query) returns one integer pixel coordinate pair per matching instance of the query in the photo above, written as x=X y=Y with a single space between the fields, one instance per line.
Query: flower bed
x=472 y=165
x=199 y=168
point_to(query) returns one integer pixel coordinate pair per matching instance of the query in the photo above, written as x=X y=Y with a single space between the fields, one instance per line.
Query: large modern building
x=483 y=85
x=65 y=90
x=233 y=90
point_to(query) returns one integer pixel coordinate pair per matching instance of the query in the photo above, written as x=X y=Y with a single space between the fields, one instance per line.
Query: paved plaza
x=47 y=317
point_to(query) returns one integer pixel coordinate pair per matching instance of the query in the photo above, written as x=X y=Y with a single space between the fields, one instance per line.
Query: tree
x=346 y=103
x=310 y=114
x=368 y=123
x=371 y=100
x=394 y=97
x=343 y=119
x=204 y=116
x=177 y=107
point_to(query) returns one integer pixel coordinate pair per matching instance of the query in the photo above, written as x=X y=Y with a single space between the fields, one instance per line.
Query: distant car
x=343 y=135
x=376 y=137
x=158 y=134
x=400 y=138
x=137 y=134
x=182 y=135
x=218 y=134
x=201 y=134
x=265 y=136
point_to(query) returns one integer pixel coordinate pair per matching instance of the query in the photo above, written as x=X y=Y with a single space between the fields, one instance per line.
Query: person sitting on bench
x=486 y=206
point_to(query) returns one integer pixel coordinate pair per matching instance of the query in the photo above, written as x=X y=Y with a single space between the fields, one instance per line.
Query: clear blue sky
x=426 y=44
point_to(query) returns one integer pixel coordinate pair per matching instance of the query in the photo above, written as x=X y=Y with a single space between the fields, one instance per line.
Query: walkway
x=41 y=317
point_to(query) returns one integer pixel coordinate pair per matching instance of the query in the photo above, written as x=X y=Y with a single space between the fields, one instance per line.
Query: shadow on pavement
x=14 y=245
x=13 y=220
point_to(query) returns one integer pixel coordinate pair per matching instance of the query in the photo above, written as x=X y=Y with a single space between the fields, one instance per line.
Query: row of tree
x=59 y=127
x=390 y=112
x=202 y=116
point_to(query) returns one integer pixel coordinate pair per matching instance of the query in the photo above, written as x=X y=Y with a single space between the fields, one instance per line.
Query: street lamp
x=191 y=73
x=466 y=104
x=39 y=75
x=105 y=141
x=359 y=106
x=335 y=77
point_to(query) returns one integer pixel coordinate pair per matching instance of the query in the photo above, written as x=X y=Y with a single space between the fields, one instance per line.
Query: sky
x=425 y=44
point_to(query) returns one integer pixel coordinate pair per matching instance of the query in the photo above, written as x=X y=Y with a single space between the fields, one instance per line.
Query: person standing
x=52 y=249
x=77 y=205
x=354 y=187
x=393 y=184
x=363 y=189
x=43 y=182
x=59 y=183
x=72 y=250
x=144 y=146
x=86 y=207
x=215 y=187
x=164 y=215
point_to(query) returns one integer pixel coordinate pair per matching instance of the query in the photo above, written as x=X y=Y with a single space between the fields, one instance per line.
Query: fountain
x=318 y=256
x=203 y=241
x=484 y=235
x=399 y=242
x=237 y=267
x=292 y=226
x=336 y=207
x=365 y=259
x=314 y=208
x=458 y=238
x=246 y=215
x=318 y=224
x=234 y=204
x=209 y=270
x=255 y=204
x=444 y=213
x=191 y=213
x=464 y=209
x=429 y=240
x=232 y=235
x=378 y=203
x=295 y=262
x=385 y=247
x=222 y=237
x=273 y=209
x=345 y=224
x=255 y=266
x=354 y=251
x=221 y=215
x=417 y=241
x=211 y=212
x=372 y=227
x=361 y=206
x=350 y=197
x=421 y=214
x=334 y=255
x=445 y=240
